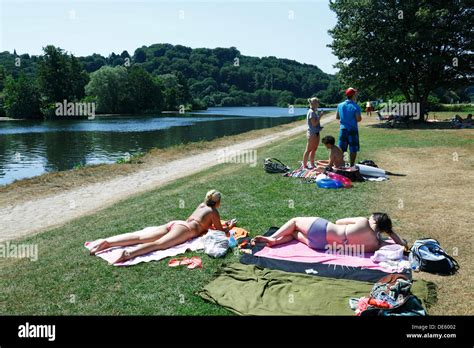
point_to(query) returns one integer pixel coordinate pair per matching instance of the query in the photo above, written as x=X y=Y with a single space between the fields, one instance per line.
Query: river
x=31 y=148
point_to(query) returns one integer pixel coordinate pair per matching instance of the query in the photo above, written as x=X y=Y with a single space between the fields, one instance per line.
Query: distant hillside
x=220 y=76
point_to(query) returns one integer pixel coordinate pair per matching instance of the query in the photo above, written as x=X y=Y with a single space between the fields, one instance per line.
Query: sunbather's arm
x=216 y=221
x=396 y=238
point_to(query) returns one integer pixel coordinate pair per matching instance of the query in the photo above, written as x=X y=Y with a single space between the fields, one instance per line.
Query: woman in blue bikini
x=318 y=233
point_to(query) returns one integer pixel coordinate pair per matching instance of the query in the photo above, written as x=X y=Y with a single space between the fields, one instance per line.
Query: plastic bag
x=215 y=243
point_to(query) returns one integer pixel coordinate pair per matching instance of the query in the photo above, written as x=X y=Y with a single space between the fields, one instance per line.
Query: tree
x=144 y=94
x=108 y=86
x=140 y=55
x=413 y=46
x=60 y=76
x=53 y=75
x=21 y=98
x=2 y=77
x=78 y=79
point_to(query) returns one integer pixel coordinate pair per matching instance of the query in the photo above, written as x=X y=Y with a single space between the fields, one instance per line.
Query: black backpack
x=429 y=257
x=273 y=165
x=351 y=173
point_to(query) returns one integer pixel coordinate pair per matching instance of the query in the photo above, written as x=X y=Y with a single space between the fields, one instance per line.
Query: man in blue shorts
x=349 y=114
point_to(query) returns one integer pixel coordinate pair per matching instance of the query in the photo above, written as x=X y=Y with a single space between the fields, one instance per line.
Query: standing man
x=349 y=114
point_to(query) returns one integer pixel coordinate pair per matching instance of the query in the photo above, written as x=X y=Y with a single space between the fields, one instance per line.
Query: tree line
x=155 y=78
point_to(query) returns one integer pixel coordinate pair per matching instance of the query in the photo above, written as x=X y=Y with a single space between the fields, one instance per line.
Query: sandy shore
x=43 y=213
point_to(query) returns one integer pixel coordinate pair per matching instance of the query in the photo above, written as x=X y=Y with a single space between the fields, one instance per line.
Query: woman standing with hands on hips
x=314 y=127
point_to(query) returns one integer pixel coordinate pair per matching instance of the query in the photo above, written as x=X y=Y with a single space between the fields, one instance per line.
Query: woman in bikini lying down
x=317 y=233
x=173 y=233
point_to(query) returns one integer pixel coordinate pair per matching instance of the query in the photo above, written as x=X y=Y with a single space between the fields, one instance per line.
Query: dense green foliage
x=21 y=98
x=121 y=90
x=167 y=77
x=414 y=48
x=60 y=76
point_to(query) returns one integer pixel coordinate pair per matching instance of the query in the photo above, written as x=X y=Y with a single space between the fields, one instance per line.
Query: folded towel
x=391 y=252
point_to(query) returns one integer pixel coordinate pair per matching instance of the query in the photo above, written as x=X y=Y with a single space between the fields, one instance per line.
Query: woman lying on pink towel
x=317 y=233
x=173 y=233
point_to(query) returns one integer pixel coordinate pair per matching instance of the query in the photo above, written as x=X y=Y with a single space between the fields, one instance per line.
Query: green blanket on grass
x=249 y=290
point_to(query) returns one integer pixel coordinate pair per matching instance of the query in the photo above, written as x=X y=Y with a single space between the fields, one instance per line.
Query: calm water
x=30 y=148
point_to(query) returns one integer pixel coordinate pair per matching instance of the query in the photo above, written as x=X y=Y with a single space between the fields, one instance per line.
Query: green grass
x=66 y=281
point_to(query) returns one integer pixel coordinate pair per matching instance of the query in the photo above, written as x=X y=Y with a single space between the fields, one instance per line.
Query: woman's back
x=360 y=233
x=202 y=215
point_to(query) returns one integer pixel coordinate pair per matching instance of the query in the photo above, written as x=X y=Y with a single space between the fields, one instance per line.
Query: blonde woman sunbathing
x=173 y=233
x=317 y=233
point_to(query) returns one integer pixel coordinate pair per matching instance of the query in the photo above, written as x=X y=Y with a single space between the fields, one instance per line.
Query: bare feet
x=262 y=239
x=101 y=244
x=123 y=256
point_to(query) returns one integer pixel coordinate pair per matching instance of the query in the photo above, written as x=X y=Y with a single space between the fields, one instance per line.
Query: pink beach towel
x=112 y=253
x=300 y=252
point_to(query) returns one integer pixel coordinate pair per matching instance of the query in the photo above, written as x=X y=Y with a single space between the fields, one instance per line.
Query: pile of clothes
x=390 y=296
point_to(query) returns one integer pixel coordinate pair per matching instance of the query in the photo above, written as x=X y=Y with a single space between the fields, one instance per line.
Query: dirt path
x=51 y=211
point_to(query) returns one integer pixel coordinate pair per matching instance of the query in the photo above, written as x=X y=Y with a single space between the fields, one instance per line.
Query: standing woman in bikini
x=173 y=233
x=312 y=134
x=318 y=233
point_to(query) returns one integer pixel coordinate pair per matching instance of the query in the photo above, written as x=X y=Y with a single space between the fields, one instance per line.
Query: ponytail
x=212 y=198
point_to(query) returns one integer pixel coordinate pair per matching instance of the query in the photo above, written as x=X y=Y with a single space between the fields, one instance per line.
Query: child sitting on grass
x=336 y=156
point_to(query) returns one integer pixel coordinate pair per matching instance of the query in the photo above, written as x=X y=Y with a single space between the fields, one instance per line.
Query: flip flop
x=196 y=262
x=179 y=261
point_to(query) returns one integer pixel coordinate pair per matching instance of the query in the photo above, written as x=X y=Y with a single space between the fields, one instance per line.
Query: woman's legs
x=178 y=234
x=311 y=145
x=146 y=235
x=286 y=232
x=313 y=150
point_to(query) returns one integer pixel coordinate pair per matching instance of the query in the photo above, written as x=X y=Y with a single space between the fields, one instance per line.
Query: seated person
x=456 y=121
x=317 y=233
x=468 y=121
x=171 y=234
x=336 y=156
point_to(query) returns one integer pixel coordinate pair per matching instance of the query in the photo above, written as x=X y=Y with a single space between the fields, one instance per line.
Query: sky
x=286 y=29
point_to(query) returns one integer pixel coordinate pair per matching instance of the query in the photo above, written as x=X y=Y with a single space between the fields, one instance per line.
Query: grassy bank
x=65 y=280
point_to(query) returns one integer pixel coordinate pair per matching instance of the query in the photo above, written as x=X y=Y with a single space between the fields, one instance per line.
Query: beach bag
x=369 y=163
x=273 y=165
x=215 y=243
x=427 y=255
x=352 y=173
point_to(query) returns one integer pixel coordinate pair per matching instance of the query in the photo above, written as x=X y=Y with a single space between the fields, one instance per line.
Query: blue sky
x=286 y=29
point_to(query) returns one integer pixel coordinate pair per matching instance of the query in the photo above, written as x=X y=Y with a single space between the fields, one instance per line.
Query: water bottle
x=232 y=241
x=414 y=265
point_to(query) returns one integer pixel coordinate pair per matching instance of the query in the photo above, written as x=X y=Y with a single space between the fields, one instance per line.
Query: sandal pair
x=191 y=263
